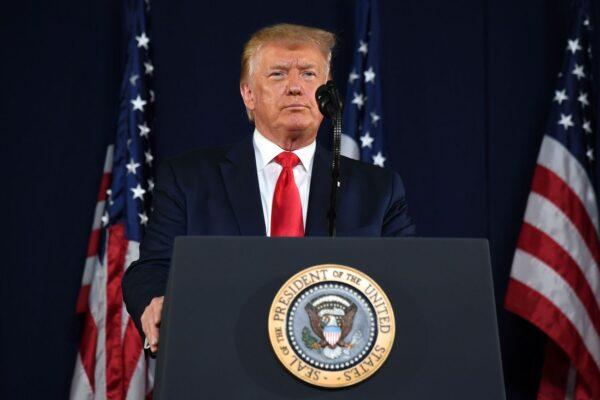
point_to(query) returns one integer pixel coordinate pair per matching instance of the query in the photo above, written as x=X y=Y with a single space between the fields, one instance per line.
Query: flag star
x=142 y=40
x=128 y=143
x=578 y=71
x=375 y=118
x=587 y=126
x=583 y=99
x=573 y=46
x=359 y=100
x=353 y=76
x=109 y=195
x=565 y=121
x=143 y=218
x=133 y=79
x=152 y=96
x=144 y=130
x=132 y=167
x=149 y=157
x=366 y=140
x=590 y=154
x=138 y=103
x=149 y=68
x=363 y=48
x=379 y=159
x=150 y=184
x=560 y=96
x=138 y=192
x=586 y=22
x=369 y=75
x=105 y=219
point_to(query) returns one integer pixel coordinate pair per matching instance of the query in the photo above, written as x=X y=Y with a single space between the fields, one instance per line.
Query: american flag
x=111 y=363
x=362 y=136
x=555 y=277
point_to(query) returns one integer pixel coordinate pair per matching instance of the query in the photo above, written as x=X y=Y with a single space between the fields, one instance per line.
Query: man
x=276 y=183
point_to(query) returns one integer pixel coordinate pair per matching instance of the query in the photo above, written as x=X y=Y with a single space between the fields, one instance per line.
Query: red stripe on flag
x=132 y=351
x=116 y=251
x=83 y=299
x=555 y=373
x=93 y=243
x=582 y=390
x=546 y=183
x=538 y=310
x=544 y=248
x=104 y=185
x=87 y=347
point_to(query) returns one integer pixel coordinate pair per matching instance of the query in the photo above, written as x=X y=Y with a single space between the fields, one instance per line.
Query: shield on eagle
x=332 y=334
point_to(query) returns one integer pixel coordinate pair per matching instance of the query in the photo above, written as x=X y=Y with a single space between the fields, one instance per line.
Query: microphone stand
x=335 y=170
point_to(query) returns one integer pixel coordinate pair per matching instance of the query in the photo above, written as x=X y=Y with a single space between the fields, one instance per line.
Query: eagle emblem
x=331 y=318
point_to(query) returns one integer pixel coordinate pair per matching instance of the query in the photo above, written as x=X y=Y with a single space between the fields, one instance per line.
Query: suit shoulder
x=365 y=170
x=198 y=158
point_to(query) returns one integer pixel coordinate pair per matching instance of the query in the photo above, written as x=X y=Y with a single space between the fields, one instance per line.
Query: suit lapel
x=241 y=183
x=318 y=201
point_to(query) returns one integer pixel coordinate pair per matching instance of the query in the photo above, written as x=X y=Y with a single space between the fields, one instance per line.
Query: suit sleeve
x=146 y=278
x=396 y=221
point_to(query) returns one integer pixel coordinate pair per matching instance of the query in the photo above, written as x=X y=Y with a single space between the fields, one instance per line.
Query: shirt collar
x=266 y=151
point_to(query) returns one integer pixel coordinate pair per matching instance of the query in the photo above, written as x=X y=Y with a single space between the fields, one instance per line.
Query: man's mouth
x=295 y=106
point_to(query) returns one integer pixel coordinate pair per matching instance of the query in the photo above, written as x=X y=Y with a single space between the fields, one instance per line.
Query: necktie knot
x=287 y=159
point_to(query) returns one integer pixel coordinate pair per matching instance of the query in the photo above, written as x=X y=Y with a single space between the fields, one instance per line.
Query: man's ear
x=247 y=96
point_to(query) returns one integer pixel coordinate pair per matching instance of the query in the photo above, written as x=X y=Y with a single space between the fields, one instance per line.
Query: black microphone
x=330 y=104
x=329 y=100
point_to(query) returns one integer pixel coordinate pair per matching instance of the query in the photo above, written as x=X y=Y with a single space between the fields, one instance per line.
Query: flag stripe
x=539 y=245
x=555 y=374
x=104 y=185
x=546 y=282
x=133 y=362
x=81 y=389
x=541 y=312
x=82 y=299
x=88 y=270
x=87 y=348
x=558 y=159
x=117 y=248
x=546 y=183
x=94 y=243
x=546 y=217
x=98 y=214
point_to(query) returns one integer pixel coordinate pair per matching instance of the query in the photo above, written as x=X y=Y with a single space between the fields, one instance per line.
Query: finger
x=153 y=339
x=154 y=335
x=157 y=313
x=147 y=324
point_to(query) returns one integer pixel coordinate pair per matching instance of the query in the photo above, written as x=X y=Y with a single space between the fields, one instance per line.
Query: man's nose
x=294 y=85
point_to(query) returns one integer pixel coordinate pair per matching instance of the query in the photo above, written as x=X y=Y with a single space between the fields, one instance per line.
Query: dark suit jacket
x=216 y=192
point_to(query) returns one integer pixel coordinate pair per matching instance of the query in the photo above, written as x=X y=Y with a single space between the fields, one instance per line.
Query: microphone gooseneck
x=330 y=105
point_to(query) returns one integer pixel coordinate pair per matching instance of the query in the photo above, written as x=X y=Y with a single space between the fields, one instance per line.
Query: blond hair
x=283 y=33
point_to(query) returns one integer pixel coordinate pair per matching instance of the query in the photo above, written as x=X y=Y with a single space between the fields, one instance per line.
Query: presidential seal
x=331 y=326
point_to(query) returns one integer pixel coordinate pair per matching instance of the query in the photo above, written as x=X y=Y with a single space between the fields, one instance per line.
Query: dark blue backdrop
x=467 y=84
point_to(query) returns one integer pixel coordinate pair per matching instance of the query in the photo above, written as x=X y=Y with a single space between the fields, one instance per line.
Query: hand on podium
x=151 y=322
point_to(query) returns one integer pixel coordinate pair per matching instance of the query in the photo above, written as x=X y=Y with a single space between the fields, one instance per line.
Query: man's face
x=281 y=91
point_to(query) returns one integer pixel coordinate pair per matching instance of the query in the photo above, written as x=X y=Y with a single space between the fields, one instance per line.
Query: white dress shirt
x=268 y=172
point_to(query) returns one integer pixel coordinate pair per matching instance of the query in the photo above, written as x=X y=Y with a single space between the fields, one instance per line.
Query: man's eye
x=310 y=73
x=276 y=74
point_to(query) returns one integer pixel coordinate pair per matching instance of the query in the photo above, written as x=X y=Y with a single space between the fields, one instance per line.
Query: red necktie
x=286 y=213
